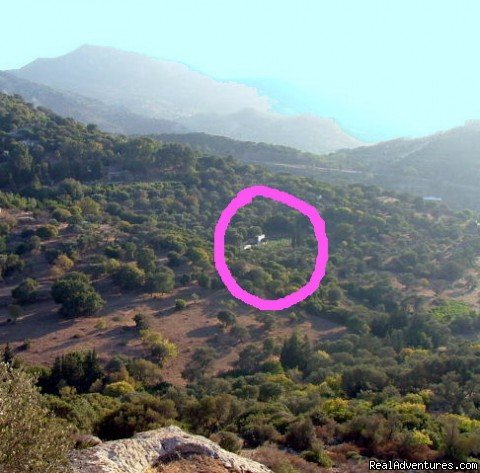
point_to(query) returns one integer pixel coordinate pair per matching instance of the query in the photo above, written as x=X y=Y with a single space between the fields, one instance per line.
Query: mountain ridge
x=172 y=91
x=86 y=110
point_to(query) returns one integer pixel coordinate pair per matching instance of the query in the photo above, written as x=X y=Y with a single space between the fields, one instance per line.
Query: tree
x=161 y=281
x=63 y=262
x=26 y=292
x=78 y=370
x=129 y=276
x=249 y=359
x=230 y=441
x=198 y=256
x=270 y=391
x=47 y=231
x=201 y=362
x=31 y=438
x=8 y=354
x=72 y=188
x=174 y=259
x=15 y=312
x=76 y=295
x=363 y=378
x=146 y=259
x=144 y=371
x=295 y=352
x=301 y=435
x=227 y=318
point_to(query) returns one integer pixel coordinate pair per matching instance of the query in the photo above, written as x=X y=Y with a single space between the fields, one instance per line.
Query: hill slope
x=86 y=110
x=106 y=244
x=169 y=90
x=446 y=165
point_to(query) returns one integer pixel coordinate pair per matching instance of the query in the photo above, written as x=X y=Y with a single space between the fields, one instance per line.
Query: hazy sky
x=381 y=68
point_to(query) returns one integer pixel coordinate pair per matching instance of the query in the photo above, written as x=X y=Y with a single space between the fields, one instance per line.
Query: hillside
x=109 y=296
x=445 y=165
x=171 y=91
x=246 y=151
x=115 y=119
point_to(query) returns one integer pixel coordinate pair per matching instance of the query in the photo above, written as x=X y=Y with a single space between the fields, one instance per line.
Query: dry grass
x=194 y=464
x=280 y=461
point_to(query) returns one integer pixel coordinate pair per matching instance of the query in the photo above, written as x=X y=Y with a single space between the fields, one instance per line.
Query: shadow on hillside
x=203 y=332
x=39 y=320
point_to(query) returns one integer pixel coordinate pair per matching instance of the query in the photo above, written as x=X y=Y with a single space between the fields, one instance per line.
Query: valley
x=109 y=297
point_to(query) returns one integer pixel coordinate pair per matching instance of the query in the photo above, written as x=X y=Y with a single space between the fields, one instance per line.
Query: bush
x=230 y=441
x=363 y=378
x=162 y=280
x=270 y=392
x=256 y=433
x=280 y=461
x=31 y=438
x=142 y=321
x=26 y=292
x=227 y=318
x=144 y=371
x=161 y=349
x=318 y=456
x=10 y=264
x=180 y=304
x=63 y=262
x=47 y=231
x=140 y=412
x=118 y=389
x=301 y=435
x=62 y=215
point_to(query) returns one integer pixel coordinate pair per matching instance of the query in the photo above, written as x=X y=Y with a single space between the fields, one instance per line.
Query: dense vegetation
x=403 y=381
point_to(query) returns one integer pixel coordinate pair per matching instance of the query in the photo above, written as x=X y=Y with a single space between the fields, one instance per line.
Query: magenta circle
x=245 y=197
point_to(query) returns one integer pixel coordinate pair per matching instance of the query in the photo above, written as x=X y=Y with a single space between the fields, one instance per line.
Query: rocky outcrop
x=145 y=451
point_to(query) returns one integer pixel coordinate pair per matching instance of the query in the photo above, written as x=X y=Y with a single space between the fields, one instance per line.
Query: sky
x=381 y=68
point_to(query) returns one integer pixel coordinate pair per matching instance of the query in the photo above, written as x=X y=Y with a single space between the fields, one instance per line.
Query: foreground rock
x=148 y=450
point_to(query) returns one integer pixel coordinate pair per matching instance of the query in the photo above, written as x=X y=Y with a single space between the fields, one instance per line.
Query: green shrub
x=26 y=292
x=180 y=304
x=230 y=441
x=118 y=389
x=318 y=456
x=47 y=231
x=161 y=349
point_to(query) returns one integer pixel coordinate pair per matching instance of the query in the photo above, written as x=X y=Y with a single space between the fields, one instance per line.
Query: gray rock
x=147 y=449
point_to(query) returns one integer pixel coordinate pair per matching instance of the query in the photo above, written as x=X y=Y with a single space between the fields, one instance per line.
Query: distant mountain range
x=121 y=91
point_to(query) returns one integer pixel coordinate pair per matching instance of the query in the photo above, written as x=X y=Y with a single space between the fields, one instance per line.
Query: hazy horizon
x=380 y=70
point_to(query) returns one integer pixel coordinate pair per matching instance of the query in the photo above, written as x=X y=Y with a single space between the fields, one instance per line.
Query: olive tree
x=31 y=438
